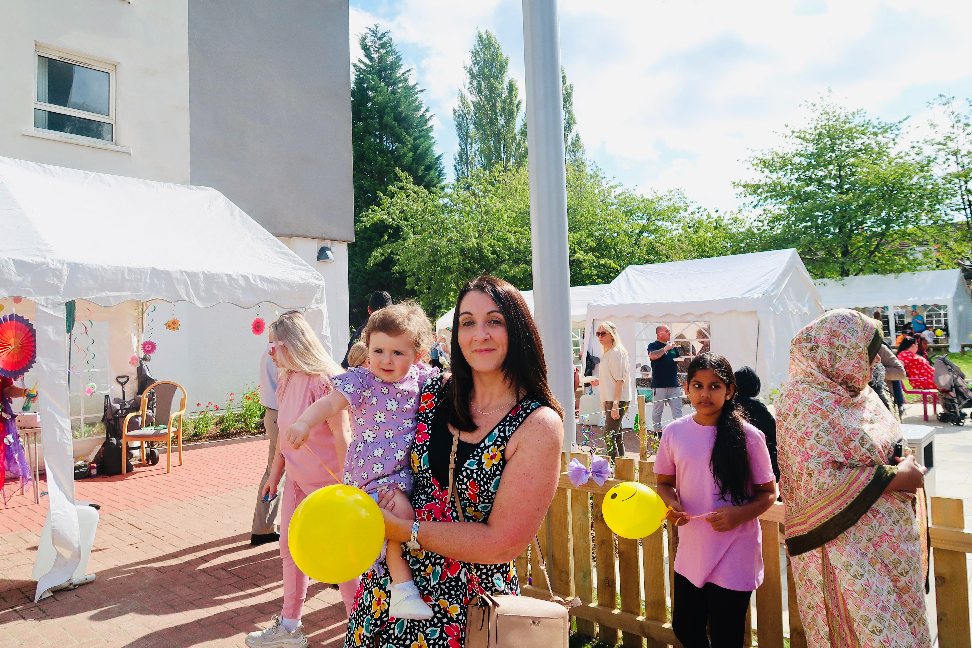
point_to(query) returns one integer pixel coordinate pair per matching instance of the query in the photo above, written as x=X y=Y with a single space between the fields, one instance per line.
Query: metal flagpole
x=548 y=199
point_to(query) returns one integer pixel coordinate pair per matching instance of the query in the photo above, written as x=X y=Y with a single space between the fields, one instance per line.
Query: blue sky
x=679 y=93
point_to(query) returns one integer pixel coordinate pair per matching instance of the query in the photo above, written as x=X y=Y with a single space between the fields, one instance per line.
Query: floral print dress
x=445 y=584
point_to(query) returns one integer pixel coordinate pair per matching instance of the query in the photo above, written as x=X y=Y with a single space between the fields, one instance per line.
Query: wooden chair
x=165 y=392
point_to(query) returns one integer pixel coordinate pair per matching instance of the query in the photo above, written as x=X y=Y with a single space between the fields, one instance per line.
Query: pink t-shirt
x=730 y=559
x=296 y=393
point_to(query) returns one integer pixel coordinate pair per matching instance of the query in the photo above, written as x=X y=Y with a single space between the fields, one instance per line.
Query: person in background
x=917 y=320
x=906 y=332
x=852 y=533
x=921 y=375
x=923 y=345
x=613 y=377
x=894 y=373
x=664 y=376
x=715 y=474
x=265 y=514
x=358 y=355
x=754 y=412
x=305 y=375
x=379 y=299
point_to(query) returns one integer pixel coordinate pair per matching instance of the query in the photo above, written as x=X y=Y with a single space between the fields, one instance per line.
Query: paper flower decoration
x=258 y=326
x=17 y=300
x=133 y=361
x=939 y=332
x=148 y=347
x=172 y=324
x=18 y=345
x=90 y=389
x=579 y=474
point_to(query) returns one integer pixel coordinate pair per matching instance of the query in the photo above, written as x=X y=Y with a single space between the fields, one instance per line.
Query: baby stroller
x=955 y=392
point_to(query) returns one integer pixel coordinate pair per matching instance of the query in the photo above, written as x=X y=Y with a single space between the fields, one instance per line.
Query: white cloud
x=676 y=94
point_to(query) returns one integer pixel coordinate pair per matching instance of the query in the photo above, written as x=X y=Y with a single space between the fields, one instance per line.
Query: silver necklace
x=493 y=411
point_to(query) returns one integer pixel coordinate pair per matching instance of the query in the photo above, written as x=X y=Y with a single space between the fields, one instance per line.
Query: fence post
x=951 y=578
x=607 y=590
x=653 y=559
x=559 y=558
x=628 y=572
x=580 y=526
x=643 y=431
x=769 y=595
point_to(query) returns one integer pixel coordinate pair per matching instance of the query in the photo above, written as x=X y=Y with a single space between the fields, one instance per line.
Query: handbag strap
x=536 y=541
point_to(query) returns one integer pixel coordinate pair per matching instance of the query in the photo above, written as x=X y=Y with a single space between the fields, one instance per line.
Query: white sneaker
x=408 y=604
x=277 y=636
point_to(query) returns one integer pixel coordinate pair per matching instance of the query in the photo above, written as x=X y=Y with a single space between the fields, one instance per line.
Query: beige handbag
x=509 y=621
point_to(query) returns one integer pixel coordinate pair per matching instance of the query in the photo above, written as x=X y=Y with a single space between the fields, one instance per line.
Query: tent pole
x=548 y=200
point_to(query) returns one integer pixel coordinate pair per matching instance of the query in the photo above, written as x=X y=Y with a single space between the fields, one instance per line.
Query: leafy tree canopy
x=482 y=225
x=845 y=191
x=391 y=131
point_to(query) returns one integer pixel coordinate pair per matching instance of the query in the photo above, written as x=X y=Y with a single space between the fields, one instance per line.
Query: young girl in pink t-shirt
x=305 y=371
x=714 y=471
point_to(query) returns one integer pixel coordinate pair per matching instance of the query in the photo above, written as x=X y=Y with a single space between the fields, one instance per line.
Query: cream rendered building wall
x=149 y=43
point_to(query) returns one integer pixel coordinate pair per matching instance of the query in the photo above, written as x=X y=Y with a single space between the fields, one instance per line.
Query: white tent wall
x=52 y=404
x=942 y=287
x=73 y=235
x=731 y=336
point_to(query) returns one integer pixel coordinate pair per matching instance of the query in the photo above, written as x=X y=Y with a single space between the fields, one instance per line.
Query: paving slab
x=173 y=561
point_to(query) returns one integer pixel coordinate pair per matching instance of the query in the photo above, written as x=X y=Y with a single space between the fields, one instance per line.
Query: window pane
x=72 y=86
x=72 y=125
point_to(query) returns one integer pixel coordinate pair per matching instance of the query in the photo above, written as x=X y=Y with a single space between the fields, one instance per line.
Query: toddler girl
x=714 y=471
x=384 y=401
x=305 y=368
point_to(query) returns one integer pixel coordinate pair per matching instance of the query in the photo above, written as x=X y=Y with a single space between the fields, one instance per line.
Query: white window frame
x=94 y=63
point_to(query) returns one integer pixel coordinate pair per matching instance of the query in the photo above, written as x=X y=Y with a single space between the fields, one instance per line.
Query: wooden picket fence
x=629 y=602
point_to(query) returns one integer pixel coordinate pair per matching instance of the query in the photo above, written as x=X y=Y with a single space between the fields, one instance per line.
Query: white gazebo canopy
x=749 y=307
x=933 y=287
x=76 y=235
x=580 y=296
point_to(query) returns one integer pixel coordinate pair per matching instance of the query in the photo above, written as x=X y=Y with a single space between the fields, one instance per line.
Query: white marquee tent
x=114 y=242
x=751 y=306
x=934 y=287
x=580 y=296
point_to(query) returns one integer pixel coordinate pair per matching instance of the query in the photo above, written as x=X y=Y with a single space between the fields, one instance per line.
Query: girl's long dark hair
x=730 y=457
x=524 y=366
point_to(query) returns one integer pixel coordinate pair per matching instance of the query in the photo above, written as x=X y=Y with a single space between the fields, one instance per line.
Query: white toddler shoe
x=407 y=603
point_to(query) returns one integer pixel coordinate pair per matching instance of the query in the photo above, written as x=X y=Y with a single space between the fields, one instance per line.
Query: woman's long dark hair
x=524 y=366
x=730 y=457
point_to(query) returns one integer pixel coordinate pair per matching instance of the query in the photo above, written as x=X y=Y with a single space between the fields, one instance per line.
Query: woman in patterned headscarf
x=851 y=526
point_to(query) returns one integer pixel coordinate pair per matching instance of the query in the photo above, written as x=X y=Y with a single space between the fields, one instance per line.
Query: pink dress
x=729 y=559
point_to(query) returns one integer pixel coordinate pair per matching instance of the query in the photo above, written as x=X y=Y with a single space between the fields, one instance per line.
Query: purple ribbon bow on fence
x=579 y=474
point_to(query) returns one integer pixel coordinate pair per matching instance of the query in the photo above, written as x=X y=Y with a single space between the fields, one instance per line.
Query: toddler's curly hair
x=406 y=318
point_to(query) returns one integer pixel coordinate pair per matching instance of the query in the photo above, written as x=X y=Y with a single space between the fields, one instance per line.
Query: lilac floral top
x=382 y=426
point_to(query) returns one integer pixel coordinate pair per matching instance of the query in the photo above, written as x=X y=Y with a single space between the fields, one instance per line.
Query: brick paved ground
x=173 y=560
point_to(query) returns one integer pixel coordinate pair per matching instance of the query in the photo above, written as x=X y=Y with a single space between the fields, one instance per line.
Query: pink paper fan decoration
x=258 y=326
x=148 y=347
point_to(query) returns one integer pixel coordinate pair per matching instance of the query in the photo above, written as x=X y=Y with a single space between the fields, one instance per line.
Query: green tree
x=952 y=148
x=391 y=131
x=845 y=191
x=573 y=146
x=481 y=224
x=488 y=124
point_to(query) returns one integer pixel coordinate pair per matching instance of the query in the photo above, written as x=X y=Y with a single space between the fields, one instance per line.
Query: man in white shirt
x=265 y=515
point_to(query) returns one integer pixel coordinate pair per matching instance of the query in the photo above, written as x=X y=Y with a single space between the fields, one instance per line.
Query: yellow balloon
x=336 y=533
x=633 y=510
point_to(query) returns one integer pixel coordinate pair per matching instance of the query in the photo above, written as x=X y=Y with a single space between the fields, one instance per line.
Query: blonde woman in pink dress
x=854 y=527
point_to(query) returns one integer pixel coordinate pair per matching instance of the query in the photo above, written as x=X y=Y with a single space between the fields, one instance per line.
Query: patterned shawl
x=835 y=436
